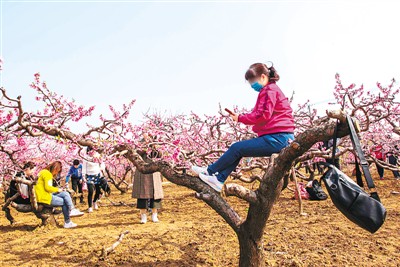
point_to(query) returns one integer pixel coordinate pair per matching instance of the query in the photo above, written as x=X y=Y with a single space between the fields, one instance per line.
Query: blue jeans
x=263 y=146
x=63 y=199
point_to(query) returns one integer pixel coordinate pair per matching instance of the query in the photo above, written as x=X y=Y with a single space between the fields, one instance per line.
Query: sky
x=182 y=56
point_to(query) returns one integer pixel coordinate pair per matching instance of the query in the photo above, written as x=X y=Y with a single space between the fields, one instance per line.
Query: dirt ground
x=192 y=234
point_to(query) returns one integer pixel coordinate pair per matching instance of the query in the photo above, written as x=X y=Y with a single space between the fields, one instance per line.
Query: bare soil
x=192 y=234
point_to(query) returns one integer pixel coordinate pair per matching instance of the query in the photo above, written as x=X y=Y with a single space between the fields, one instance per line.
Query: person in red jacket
x=377 y=151
x=272 y=120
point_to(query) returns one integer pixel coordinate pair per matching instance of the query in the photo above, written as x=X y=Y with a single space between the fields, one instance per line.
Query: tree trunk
x=251 y=250
x=251 y=232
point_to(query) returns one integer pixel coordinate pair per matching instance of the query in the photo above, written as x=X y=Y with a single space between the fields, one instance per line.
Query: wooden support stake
x=298 y=192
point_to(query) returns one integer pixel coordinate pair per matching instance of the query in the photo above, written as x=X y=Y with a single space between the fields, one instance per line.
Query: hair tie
x=269 y=63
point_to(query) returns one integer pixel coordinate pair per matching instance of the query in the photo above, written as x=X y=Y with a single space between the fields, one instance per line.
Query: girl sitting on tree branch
x=271 y=118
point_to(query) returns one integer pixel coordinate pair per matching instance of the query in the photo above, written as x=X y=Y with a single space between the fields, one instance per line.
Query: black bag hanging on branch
x=360 y=207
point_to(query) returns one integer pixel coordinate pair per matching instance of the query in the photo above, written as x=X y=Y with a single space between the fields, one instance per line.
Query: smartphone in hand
x=229 y=111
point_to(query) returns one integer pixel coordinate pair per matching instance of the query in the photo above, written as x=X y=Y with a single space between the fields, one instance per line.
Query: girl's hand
x=234 y=116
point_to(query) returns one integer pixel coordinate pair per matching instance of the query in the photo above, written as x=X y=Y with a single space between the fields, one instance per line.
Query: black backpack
x=316 y=192
x=362 y=208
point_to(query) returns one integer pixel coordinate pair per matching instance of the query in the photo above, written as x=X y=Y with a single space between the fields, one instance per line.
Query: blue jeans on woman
x=63 y=199
x=263 y=146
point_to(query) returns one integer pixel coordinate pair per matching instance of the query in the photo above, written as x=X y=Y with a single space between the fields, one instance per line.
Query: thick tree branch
x=213 y=198
x=241 y=192
x=9 y=200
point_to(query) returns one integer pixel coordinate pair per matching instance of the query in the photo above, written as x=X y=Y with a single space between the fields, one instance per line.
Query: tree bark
x=251 y=250
x=251 y=231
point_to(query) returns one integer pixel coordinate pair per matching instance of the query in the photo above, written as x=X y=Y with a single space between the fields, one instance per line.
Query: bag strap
x=358 y=172
x=360 y=154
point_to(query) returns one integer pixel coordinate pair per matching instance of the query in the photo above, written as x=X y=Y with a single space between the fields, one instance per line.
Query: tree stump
x=46 y=214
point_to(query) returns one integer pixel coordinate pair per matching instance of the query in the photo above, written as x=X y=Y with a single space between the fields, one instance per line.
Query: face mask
x=257 y=86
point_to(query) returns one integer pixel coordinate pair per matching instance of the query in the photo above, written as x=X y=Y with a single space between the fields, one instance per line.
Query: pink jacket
x=272 y=112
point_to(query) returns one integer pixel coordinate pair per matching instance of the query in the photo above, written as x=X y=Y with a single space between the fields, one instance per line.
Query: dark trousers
x=91 y=189
x=380 y=170
x=143 y=203
x=393 y=161
x=310 y=168
x=76 y=185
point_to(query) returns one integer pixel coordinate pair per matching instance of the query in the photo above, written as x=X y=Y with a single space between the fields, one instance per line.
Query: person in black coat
x=26 y=173
x=393 y=160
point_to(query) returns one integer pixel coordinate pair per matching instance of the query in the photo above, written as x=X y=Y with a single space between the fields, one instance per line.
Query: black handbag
x=360 y=207
x=316 y=192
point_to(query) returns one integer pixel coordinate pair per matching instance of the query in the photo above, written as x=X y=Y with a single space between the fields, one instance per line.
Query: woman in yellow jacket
x=46 y=193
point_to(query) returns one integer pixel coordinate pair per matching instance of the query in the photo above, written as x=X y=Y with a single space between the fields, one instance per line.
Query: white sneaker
x=143 y=218
x=198 y=170
x=70 y=225
x=95 y=206
x=90 y=210
x=75 y=213
x=212 y=181
x=154 y=217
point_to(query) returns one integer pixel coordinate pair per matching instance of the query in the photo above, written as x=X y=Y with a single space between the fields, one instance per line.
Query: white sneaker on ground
x=212 y=181
x=70 y=225
x=143 y=218
x=90 y=210
x=154 y=217
x=198 y=170
x=75 y=213
x=95 y=206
